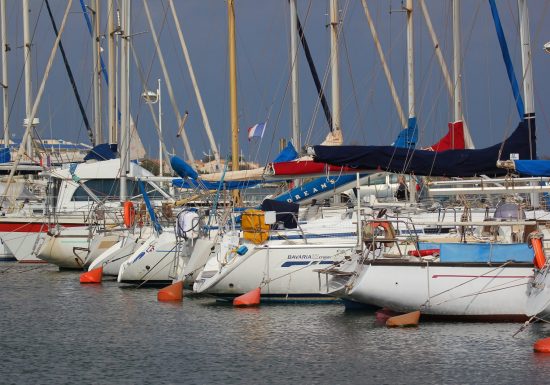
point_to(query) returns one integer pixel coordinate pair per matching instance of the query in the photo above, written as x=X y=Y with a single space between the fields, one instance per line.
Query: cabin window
x=109 y=189
x=394 y=178
x=381 y=179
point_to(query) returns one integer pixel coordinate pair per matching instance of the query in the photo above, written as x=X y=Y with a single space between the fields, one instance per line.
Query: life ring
x=369 y=232
x=535 y=239
x=129 y=214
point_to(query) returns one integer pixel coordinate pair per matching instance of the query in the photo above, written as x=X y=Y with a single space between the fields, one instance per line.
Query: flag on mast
x=256 y=131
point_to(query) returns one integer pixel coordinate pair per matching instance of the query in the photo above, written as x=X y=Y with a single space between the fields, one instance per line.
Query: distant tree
x=151 y=166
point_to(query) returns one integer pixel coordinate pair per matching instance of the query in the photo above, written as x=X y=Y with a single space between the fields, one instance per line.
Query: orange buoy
x=383 y=314
x=252 y=298
x=92 y=276
x=129 y=214
x=542 y=346
x=173 y=292
x=536 y=242
x=408 y=319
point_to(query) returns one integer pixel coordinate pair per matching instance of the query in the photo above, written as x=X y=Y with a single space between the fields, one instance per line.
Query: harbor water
x=55 y=331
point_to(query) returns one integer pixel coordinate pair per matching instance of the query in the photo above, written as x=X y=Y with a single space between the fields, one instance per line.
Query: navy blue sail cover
x=451 y=163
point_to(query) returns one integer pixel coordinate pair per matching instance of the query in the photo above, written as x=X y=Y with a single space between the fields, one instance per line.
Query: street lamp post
x=153 y=97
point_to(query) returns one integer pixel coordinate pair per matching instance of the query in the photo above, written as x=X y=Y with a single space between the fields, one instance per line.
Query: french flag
x=256 y=131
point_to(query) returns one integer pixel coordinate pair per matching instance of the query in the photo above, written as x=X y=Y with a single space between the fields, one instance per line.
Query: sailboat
x=473 y=281
x=280 y=252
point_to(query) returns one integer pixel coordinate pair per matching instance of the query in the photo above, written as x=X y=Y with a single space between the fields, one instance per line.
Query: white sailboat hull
x=474 y=291
x=75 y=248
x=112 y=258
x=153 y=263
x=284 y=272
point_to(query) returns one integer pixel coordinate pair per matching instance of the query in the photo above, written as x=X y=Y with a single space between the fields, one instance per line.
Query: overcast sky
x=368 y=112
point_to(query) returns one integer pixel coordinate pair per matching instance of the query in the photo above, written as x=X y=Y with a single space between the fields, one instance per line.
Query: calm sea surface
x=55 y=331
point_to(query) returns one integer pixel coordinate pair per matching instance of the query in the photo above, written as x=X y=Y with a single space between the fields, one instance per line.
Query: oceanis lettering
x=314 y=190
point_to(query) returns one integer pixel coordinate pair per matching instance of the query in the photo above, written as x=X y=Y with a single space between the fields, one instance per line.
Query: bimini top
x=451 y=163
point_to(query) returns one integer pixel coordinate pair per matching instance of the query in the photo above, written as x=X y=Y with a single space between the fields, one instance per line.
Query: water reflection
x=54 y=330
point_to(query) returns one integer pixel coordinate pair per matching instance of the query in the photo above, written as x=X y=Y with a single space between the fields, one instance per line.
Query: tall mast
x=113 y=137
x=5 y=48
x=526 y=59
x=410 y=58
x=27 y=66
x=294 y=75
x=334 y=65
x=233 y=91
x=457 y=97
x=124 y=97
x=410 y=84
x=528 y=93
x=457 y=62
x=96 y=50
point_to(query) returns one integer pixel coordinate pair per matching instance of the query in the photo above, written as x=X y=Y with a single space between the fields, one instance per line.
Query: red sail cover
x=453 y=140
x=307 y=167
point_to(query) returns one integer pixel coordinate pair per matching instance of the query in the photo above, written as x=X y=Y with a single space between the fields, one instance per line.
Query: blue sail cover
x=5 y=155
x=229 y=185
x=533 y=167
x=451 y=163
x=183 y=169
x=407 y=137
x=289 y=153
x=104 y=151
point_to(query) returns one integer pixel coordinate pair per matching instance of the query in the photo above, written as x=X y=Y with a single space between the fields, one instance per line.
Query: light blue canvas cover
x=485 y=252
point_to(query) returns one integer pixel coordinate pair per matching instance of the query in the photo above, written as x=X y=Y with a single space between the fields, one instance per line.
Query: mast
x=528 y=92
x=526 y=60
x=294 y=75
x=96 y=52
x=124 y=97
x=159 y=101
x=27 y=66
x=5 y=48
x=34 y=108
x=457 y=62
x=335 y=72
x=196 y=88
x=410 y=58
x=294 y=79
x=334 y=65
x=411 y=124
x=233 y=91
x=113 y=137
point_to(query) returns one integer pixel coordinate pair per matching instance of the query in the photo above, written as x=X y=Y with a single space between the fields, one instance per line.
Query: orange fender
x=536 y=242
x=129 y=214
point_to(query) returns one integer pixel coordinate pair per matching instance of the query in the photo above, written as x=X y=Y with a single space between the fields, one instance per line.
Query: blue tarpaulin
x=533 y=167
x=485 y=252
